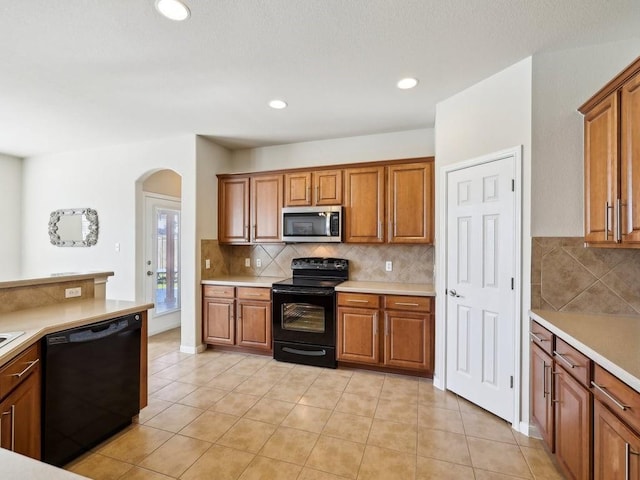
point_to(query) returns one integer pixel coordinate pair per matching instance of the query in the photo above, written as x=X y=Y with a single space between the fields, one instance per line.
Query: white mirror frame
x=89 y=227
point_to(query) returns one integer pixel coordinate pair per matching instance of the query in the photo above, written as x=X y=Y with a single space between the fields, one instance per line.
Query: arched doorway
x=159 y=247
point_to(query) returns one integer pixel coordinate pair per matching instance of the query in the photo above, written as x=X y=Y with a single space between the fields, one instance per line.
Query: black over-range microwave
x=312 y=224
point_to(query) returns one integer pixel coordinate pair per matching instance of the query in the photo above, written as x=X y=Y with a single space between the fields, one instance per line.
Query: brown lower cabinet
x=391 y=331
x=20 y=397
x=541 y=385
x=616 y=447
x=239 y=316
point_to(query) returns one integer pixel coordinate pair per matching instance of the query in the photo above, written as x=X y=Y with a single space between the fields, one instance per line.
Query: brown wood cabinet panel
x=616 y=448
x=328 y=187
x=408 y=303
x=410 y=203
x=358 y=335
x=364 y=205
x=601 y=171
x=615 y=394
x=16 y=370
x=218 y=321
x=297 y=189
x=218 y=291
x=359 y=300
x=266 y=207
x=630 y=160
x=254 y=293
x=233 y=210
x=541 y=393
x=577 y=364
x=572 y=425
x=541 y=337
x=254 y=324
x=20 y=416
x=408 y=340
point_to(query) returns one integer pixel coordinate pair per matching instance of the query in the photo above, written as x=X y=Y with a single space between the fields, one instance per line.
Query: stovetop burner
x=317 y=272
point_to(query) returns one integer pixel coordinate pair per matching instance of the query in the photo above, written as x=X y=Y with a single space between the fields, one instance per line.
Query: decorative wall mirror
x=76 y=227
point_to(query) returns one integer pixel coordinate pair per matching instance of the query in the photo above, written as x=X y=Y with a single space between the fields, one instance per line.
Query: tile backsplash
x=566 y=276
x=411 y=263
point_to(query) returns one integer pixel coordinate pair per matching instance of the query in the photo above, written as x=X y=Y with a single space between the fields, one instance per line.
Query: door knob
x=453 y=293
x=149 y=272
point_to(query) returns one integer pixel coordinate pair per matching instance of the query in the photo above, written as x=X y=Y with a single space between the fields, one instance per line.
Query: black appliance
x=312 y=224
x=91 y=386
x=304 y=311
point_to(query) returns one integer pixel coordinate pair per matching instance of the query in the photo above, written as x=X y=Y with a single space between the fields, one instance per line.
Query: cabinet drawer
x=578 y=365
x=617 y=395
x=18 y=369
x=254 y=293
x=359 y=300
x=541 y=337
x=219 y=291
x=401 y=302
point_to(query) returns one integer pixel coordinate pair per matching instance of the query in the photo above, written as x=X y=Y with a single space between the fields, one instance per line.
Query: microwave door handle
x=328 y=227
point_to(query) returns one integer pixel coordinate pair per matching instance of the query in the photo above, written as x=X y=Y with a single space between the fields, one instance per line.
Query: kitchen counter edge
x=242 y=281
x=40 y=321
x=388 y=288
x=609 y=340
x=15 y=465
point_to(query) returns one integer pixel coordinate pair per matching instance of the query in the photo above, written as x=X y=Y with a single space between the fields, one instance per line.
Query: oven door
x=304 y=315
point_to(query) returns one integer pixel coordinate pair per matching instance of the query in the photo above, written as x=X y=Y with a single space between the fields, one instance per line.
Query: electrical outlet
x=258 y=262
x=72 y=292
x=247 y=262
x=388 y=266
x=207 y=263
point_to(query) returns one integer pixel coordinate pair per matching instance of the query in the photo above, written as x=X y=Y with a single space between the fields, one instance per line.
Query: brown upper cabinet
x=364 y=205
x=249 y=209
x=612 y=162
x=322 y=187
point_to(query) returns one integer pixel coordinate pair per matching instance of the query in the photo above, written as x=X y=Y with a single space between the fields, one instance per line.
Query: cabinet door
x=630 y=161
x=601 y=171
x=297 y=189
x=364 y=205
x=541 y=383
x=218 y=319
x=266 y=207
x=616 y=447
x=328 y=187
x=410 y=203
x=233 y=210
x=572 y=425
x=408 y=340
x=358 y=339
x=20 y=418
x=254 y=324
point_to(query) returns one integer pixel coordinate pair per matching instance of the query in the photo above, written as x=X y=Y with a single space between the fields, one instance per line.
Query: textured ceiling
x=76 y=74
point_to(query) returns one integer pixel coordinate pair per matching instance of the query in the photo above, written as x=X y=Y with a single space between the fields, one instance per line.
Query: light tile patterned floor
x=227 y=416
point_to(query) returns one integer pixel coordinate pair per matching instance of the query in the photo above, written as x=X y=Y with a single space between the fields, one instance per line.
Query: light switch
x=207 y=263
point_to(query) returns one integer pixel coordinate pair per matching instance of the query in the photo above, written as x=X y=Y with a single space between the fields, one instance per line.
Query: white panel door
x=481 y=308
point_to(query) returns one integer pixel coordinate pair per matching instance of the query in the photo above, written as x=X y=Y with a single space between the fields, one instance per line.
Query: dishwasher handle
x=95 y=331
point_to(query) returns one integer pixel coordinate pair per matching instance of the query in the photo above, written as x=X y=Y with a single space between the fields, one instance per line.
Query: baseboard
x=193 y=350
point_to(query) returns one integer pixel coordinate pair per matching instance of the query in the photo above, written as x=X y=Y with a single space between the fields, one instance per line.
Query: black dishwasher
x=91 y=385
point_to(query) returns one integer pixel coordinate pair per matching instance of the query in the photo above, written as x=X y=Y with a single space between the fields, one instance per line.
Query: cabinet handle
x=603 y=391
x=627 y=460
x=553 y=372
x=13 y=424
x=317 y=193
x=357 y=301
x=31 y=364
x=307 y=197
x=379 y=229
x=544 y=379
x=537 y=338
x=606 y=221
x=375 y=326
x=386 y=326
x=407 y=304
x=566 y=362
x=618 y=230
x=253 y=294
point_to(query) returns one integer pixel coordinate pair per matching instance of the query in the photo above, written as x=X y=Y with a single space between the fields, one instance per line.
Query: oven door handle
x=305 y=291
x=309 y=353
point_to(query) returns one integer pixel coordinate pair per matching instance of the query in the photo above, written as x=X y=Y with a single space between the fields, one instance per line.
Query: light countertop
x=40 y=321
x=14 y=466
x=242 y=281
x=388 y=288
x=611 y=341
x=53 y=278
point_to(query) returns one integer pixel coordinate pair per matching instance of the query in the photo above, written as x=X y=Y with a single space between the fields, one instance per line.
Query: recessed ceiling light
x=407 y=83
x=278 y=104
x=173 y=9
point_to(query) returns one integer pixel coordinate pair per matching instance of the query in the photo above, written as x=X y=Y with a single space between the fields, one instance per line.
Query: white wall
x=365 y=148
x=562 y=81
x=11 y=214
x=491 y=116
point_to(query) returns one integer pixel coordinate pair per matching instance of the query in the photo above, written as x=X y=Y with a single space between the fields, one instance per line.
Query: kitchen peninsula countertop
x=612 y=341
x=40 y=321
x=388 y=288
x=242 y=281
x=16 y=466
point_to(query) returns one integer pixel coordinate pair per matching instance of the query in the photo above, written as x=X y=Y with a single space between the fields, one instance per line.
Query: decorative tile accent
x=566 y=276
x=411 y=263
